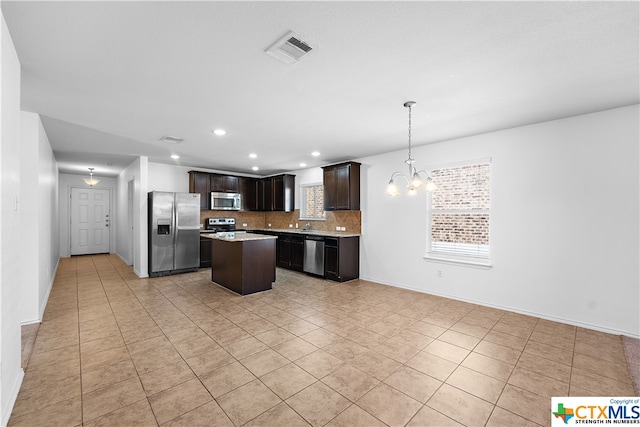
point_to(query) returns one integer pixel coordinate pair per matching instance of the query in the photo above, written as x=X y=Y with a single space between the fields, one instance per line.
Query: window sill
x=485 y=265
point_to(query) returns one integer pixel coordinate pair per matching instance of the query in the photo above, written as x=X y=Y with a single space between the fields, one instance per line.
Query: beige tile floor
x=114 y=349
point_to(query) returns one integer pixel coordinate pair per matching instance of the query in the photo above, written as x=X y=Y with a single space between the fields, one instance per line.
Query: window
x=312 y=203
x=458 y=214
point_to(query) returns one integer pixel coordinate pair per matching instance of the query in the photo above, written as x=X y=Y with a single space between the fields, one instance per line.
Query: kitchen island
x=243 y=262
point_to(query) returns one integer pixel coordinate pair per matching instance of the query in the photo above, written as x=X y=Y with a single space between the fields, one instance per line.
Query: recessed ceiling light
x=219 y=132
x=302 y=165
x=255 y=168
x=315 y=153
x=253 y=155
x=175 y=156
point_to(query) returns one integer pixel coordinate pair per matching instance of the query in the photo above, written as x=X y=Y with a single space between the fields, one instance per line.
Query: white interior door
x=90 y=221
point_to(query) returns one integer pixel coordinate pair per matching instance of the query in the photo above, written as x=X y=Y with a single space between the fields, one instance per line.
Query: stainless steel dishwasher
x=314 y=255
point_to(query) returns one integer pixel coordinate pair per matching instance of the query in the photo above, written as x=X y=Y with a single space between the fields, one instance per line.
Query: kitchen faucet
x=307 y=227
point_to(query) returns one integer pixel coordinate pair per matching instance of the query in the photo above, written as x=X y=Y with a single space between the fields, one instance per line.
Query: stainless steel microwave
x=226 y=201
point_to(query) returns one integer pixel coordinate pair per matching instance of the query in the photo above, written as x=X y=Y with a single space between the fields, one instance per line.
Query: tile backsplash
x=350 y=220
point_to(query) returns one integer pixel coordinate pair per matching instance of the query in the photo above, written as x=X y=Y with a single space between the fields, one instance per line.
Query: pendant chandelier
x=91 y=181
x=413 y=178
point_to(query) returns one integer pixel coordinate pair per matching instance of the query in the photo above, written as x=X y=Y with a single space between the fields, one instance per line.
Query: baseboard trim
x=126 y=261
x=46 y=299
x=512 y=309
x=6 y=411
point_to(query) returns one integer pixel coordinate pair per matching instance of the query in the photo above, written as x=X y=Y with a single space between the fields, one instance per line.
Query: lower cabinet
x=290 y=251
x=205 y=252
x=341 y=258
x=341 y=255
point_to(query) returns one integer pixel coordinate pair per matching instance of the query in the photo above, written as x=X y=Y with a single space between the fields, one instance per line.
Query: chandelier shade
x=414 y=179
x=91 y=181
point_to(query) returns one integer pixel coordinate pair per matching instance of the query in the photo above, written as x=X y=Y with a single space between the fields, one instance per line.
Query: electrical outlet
x=337 y=228
x=269 y=225
x=290 y=225
x=343 y=228
x=244 y=224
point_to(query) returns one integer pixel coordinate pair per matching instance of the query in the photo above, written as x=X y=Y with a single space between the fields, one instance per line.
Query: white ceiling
x=110 y=78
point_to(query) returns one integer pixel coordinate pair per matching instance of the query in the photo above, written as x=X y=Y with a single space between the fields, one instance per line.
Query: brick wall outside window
x=459 y=210
x=313 y=201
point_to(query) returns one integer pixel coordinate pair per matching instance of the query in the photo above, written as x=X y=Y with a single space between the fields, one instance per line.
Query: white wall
x=138 y=172
x=10 y=234
x=564 y=222
x=39 y=217
x=68 y=181
x=305 y=177
x=29 y=252
x=168 y=178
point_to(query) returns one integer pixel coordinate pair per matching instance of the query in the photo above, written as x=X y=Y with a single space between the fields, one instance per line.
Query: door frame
x=131 y=227
x=111 y=219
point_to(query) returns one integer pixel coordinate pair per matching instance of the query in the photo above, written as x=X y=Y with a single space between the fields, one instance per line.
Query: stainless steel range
x=223 y=227
x=217 y=225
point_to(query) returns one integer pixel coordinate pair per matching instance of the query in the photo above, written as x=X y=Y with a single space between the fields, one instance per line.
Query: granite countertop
x=238 y=237
x=310 y=232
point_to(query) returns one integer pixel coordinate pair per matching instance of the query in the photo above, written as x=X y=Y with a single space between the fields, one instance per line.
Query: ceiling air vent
x=290 y=49
x=171 y=139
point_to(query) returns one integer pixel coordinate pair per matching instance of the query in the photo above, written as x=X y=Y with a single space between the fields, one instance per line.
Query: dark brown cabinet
x=199 y=183
x=249 y=192
x=276 y=193
x=341 y=258
x=342 y=186
x=290 y=251
x=224 y=183
x=265 y=194
x=205 y=252
x=283 y=192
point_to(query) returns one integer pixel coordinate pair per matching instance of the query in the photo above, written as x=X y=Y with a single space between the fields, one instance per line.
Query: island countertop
x=238 y=236
x=242 y=262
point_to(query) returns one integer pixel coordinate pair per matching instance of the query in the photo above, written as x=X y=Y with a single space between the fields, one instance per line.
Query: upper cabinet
x=283 y=192
x=276 y=193
x=249 y=192
x=224 y=183
x=199 y=183
x=342 y=186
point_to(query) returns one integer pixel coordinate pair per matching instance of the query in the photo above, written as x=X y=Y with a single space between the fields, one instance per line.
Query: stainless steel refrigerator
x=174 y=232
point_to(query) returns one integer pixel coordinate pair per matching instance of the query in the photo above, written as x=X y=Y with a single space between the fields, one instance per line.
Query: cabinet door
x=199 y=183
x=249 y=192
x=283 y=252
x=278 y=193
x=288 y=192
x=231 y=184
x=267 y=194
x=342 y=190
x=329 y=183
x=217 y=182
x=297 y=253
x=331 y=264
x=205 y=252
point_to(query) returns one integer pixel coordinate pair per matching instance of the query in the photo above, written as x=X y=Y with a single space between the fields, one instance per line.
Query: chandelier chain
x=410 y=132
